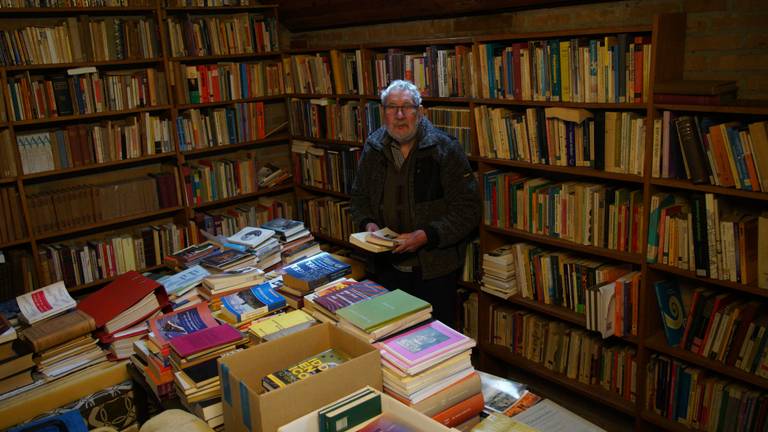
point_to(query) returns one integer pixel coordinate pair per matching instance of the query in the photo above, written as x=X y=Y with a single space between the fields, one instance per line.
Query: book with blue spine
x=252 y=303
x=672 y=311
x=312 y=272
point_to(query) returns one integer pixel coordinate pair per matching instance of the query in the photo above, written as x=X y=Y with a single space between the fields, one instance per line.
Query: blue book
x=554 y=60
x=312 y=272
x=180 y=132
x=672 y=311
x=738 y=156
x=244 y=90
x=252 y=303
x=231 y=126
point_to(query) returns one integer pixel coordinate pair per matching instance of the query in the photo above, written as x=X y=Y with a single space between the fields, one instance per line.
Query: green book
x=349 y=413
x=370 y=314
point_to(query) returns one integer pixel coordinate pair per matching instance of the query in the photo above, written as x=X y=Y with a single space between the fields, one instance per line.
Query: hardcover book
x=304 y=369
x=49 y=333
x=251 y=303
x=672 y=311
x=350 y=412
x=310 y=273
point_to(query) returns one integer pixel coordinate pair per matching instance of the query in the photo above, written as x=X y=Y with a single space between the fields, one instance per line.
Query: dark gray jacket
x=443 y=190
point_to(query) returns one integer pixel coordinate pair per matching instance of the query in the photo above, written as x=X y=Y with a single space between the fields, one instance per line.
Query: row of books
x=454 y=121
x=80 y=39
x=328 y=216
x=12 y=224
x=549 y=277
x=611 y=141
x=81 y=262
x=583 y=213
x=324 y=118
x=207 y=180
x=204 y=35
x=84 y=91
x=72 y=3
x=702 y=400
x=347 y=75
x=437 y=71
x=708 y=150
x=229 y=220
x=95 y=143
x=565 y=349
x=706 y=234
x=325 y=168
x=74 y=207
x=374 y=116
x=241 y=123
x=219 y=82
x=308 y=74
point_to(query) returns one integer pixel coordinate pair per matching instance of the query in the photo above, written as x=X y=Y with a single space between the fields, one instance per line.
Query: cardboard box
x=247 y=407
x=389 y=405
x=60 y=392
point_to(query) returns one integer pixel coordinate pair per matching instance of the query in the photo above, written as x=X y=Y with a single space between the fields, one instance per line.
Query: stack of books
x=217 y=285
x=427 y=367
x=499 y=272
x=228 y=259
x=180 y=287
x=383 y=315
x=261 y=242
x=281 y=324
x=325 y=301
x=305 y=276
x=296 y=242
x=243 y=307
x=15 y=359
x=192 y=255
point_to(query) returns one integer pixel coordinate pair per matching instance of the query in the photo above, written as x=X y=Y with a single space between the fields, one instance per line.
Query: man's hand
x=371 y=227
x=411 y=242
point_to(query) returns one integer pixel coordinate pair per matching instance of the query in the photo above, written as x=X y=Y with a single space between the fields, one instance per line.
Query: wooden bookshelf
x=571 y=171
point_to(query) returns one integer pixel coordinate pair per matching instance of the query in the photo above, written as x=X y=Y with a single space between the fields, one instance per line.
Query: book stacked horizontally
x=191 y=255
x=499 y=272
x=180 y=286
x=243 y=307
x=217 y=285
x=305 y=276
x=15 y=359
x=229 y=259
x=296 y=242
x=120 y=311
x=325 y=301
x=303 y=369
x=261 y=242
x=429 y=367
x=382 y=240
x=383 y=315
x=281 y=324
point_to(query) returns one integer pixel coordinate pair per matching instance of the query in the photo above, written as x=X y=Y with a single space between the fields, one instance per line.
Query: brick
x=705 y=5
x=740 y=21
x=733 y=61
x=714 y=42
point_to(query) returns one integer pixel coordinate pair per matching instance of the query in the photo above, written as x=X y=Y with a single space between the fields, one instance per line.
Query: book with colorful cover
x=349 y=295
x=425 y=342
x=251 y=237
x=370 y=314
x=204 y=340
x=672 y=310
x=285 y=228
x=45 y=302
x=225 y=259
x=181 y=322
x=313 y=365
x=282 y=324
x=183 y=281
x=315 y=271
x=251 y=303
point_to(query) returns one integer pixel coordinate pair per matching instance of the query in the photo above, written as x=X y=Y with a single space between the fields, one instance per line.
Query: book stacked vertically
x=296 y=242
x=429 y=368
x=120 y=311
x=261 y=242
x=383 y=315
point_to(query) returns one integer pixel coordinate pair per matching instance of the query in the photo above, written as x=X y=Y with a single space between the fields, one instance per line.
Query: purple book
x=349 y=295
x=425 y=342
x=205 y=340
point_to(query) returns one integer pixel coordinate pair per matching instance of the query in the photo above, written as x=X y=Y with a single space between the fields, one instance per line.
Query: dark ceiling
x=305 y=15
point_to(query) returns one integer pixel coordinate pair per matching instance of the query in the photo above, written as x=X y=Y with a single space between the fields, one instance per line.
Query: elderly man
x=416 y=180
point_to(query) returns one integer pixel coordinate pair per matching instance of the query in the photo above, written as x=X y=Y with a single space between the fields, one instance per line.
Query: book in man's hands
x=382 y=240
x=313 y=365
x=45 y=302
x=315 y=271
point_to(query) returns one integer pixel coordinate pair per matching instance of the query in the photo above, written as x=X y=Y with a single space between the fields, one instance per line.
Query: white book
x=45 y=302
x=251 y=236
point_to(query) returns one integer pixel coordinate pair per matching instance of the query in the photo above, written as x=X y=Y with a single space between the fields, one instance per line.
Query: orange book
x=461 y=412
x=721 y=157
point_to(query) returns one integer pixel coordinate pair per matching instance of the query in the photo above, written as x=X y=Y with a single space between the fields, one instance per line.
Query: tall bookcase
x=628 y=179
x=101 y=178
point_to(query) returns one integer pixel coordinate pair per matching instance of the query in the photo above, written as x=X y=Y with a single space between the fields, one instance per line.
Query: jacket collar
x=424 y=136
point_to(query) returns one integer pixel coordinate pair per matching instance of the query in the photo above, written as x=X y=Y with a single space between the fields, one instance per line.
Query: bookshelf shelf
x=83 y=64
x=584 y=105
x=328 y=141
x=103 y=114
x=7 y=180
x=217 y=10
x=239 y=146
x=14 y=243
x=238 y=198
x=77 y=10
x=104 y=281
x=748 y=108
x=570 y=33
x=665 y=423
x=564 y=244
x=261 y=55
x=658 y=343
x=229 y=102
x=750 y=289
x=685 y=184
x=98 y=167
x=597 y=393
x=579 y=171
x=555 y=311
x=323 y=191
x=47 y=236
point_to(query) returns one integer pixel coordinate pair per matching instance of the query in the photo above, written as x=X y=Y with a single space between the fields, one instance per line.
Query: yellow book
x=501 y=423
x=565 y=71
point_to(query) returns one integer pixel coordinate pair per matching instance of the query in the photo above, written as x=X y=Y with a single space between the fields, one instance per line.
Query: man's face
x=401 y=115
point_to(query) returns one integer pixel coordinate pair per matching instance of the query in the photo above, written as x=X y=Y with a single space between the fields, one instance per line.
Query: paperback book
x=378 y=311
x=251 y=237
x=423 y=346
x=252 y=303
x=45 y=302
x=315 y=271
x=313 y=365
x=181 y=322
x=285 y=228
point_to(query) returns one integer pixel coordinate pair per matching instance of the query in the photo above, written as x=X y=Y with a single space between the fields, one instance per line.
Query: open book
x=382 y=240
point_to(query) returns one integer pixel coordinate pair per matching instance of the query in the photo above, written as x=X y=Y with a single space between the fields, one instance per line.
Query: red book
x=205 y=340
x=118 y=296
x=461 y=412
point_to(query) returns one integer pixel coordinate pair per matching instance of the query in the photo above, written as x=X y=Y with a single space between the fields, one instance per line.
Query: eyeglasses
x=405 y=109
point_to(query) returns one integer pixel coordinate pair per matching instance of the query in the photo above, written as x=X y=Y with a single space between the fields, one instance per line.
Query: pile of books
x=217 y=285
x=305 y=276
x=261 y=243
x=429 y=368
x=296 y=242
x=499 y=272
x=244 y=306
x=278 y=325
x=326 y=300
x=383 y=315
